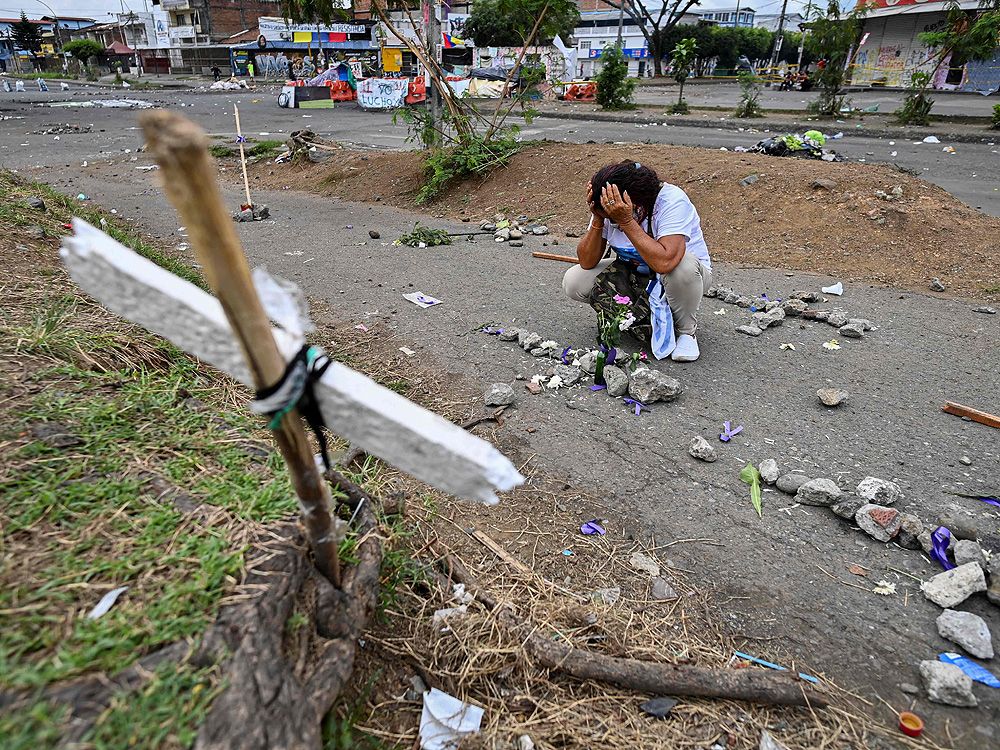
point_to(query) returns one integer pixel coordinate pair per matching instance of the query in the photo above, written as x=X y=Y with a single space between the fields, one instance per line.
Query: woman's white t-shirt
x=673 y=213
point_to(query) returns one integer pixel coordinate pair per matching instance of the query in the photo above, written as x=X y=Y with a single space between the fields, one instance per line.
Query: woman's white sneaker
x=686 y=349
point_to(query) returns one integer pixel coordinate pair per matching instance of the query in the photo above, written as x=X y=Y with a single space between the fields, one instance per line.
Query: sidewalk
x=969 y=130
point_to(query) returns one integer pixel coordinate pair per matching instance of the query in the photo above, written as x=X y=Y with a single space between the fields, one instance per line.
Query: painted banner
x=382 y=93
x=279 y=29
x=879 y=4
x=392 y=59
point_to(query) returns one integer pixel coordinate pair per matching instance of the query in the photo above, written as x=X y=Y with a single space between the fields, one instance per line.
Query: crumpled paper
x=445 y=720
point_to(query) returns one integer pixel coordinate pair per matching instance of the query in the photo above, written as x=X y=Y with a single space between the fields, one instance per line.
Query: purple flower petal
x=939 y=547
x=612 y=353
x=598 y=387
x=991 y=501
x=593 y=527
x=564 y=359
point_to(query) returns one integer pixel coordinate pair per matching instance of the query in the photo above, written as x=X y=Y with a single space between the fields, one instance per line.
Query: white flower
x=549 y=345
x=554 y=382
x=884 y=588
x=626 y=322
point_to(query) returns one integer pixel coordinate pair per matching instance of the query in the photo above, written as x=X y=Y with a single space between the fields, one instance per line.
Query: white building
x=770 y=21
x=740 y=15
x=599 y=29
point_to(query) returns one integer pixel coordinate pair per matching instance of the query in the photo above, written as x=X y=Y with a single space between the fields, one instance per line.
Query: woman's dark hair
x=641 y=182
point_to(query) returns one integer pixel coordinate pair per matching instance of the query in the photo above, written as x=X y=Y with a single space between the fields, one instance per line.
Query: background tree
x=653 y=22
x=83 y=49
x=723 y=44
x=27 y=35
x=614 y=87
x=682 y=58
x=507 y=23
x=831 y=40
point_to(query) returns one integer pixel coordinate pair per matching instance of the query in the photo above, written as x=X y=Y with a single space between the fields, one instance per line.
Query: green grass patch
x=266 y=147
x=219 y=151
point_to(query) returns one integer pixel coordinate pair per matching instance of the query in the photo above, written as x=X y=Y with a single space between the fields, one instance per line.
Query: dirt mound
x=798 y=214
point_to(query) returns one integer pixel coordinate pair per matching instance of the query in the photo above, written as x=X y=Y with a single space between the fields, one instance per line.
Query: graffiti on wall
x=272 y=66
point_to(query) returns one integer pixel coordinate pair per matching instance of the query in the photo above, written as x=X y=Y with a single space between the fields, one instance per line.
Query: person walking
x=250 y=70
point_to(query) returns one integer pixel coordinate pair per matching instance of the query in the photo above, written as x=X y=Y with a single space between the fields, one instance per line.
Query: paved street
x=773 y=575
x=971 y=174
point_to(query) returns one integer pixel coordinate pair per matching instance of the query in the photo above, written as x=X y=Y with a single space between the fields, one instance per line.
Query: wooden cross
x=234 y=334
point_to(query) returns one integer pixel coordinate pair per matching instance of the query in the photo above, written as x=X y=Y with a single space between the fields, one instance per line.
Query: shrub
x=995 y=124
x=916 y=109
x=614 y=87
x=475 y=157
x=750 y=89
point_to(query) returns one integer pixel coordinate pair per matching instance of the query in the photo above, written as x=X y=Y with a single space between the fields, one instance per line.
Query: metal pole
x=621 y=24
x=778 y=37
x=802 y=41
x=736 y=23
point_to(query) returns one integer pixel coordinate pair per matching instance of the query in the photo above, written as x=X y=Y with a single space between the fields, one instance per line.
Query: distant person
x=250 y=71
x=216 y=72
x=660 y=260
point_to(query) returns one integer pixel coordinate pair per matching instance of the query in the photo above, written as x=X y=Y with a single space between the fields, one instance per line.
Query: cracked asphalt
x=782 y=580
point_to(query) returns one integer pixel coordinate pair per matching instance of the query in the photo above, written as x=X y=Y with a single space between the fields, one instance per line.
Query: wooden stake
x=181 y=149
x=553 y=256
x=983 y=417
x=243 y=156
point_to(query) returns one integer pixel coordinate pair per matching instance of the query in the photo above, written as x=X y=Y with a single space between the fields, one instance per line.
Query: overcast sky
x=99 y=9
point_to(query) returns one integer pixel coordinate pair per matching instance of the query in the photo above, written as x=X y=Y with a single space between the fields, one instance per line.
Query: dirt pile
x=798 y=214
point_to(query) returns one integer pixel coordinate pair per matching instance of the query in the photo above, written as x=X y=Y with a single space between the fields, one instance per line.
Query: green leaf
x=751 y=476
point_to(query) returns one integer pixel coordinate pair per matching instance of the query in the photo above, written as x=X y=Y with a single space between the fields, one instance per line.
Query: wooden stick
x=493 y=546
x=243 y=156
x=181 y=149
x=983 y=417
x=753 y=685
x=553 y=256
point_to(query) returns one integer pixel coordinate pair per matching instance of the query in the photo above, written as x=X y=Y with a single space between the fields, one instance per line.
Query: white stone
x=967 y=630
x=954 y=586
x=879 y=491
x=499 y=394
x=371 y=417
x=616 y=380
x=702 y=449
x=946 y=683
x=768 y=470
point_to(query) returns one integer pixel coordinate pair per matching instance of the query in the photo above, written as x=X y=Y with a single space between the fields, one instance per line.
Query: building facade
x=599 y=29
x=736 y=16
x=891 y=50
x=770 y=21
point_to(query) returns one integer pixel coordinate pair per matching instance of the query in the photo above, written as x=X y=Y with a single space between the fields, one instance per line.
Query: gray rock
x=768 y=469
x=961 y=527
x=771 y=305
x=502 y=234
x=852 y=331
x=821 y=315
x=764 y=320
x=488 y=226
x=909 y=688
x=616 y=380
x=662 y=591
x=847 y=507
x=702 y=449
x=749 y=330
x=749 y=180
x=588 y=362
x=374 y=234
x=722 y=292
x=936 y=285
x=731 y=297
x=822 y=184
x=515 y=243
x=511 y=334
x=712 y=292
x=499 y=394
x=790 y=483
x=967 y=630
x=926 y=544
x=261 y=212
x=865 y=324
x=967 y=551
x=946 y=683
x=878 y=521
x=954 y=586
x=986 y=310
x=245 y=215
x=832 y=396
x=818 y=492
x=837 y=318
x=568 y=374
x=743 y=302
x=515 y=234
x=794 y=307
x=36 y=232
x=648 y=386
x=805 y=296
x=529 y=341
x=993 y=566
x=879 y=491
x=36 y=203
x=540 y=230
x=539 y=351
x=965 y=461
x=910 y=529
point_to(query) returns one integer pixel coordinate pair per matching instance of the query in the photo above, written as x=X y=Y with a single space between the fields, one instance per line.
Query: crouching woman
x=657 y=257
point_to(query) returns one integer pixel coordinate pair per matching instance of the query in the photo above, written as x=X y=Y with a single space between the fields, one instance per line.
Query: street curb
x=784 y=127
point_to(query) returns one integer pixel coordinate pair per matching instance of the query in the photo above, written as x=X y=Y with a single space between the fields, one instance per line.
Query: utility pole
x=621 y=25
x=802 y=40
x=736 y=23
x=779 y=37
x=432 y=38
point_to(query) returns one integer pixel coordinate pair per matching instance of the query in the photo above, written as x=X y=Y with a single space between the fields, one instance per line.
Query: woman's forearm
x=660 y=256
x=590 y=249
